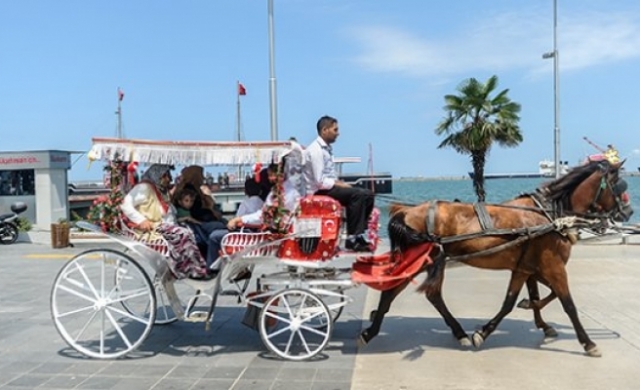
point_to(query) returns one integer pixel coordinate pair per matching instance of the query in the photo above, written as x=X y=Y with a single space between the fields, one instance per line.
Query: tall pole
x=238 y=129
x=272 y=77
x=556 y=92
x=119 y=114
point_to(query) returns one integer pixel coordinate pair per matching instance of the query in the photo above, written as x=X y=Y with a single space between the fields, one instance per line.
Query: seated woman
x=148 y=209
x=212 y=226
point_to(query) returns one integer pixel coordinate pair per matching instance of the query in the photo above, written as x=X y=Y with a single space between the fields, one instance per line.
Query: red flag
x=120 y=95
x=241 y=89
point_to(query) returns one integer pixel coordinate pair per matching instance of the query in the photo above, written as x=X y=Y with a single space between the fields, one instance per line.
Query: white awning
x=187 y=152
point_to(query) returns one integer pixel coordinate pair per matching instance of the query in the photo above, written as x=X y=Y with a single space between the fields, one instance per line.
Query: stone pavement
x=415 y=349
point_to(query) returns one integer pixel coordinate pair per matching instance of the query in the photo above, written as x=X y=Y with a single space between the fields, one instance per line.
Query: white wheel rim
x=289 y=324
x=87 y=304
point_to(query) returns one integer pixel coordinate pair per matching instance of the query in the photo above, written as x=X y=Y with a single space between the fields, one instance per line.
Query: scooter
x=9 y=225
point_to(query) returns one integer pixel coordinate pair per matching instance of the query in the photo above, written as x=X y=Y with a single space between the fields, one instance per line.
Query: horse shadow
x=414 y=336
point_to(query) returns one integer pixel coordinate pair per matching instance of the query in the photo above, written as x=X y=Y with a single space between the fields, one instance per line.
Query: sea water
x=497 y=191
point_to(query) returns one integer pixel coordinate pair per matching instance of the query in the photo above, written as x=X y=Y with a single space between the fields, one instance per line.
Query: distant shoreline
x=466 y=177
x=436 y=178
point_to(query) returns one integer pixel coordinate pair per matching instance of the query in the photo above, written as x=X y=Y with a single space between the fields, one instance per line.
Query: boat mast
x=370 y=168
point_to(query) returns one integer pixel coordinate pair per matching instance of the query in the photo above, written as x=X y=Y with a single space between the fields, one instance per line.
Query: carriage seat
x=316 y=230
x=157 y=244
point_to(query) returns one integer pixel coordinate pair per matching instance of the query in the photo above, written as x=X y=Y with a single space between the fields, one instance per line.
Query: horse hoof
x=594 y=352
x=550 y=333
x=465 y=342
x=477 y=339
x=361 y=342
x=524 y=304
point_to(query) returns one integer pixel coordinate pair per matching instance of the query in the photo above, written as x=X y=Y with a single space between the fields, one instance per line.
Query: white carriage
x=104 y=302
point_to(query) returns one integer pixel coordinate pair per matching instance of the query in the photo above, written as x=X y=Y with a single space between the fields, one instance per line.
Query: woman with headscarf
x=212 y=227
x=148 y=208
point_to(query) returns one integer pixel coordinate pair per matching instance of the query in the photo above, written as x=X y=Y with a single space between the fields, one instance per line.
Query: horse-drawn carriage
x=104 y=302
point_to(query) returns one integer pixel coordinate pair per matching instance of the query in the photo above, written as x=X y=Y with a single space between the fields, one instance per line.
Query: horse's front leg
x=386 y=298
x=433 y=291
x=515 y=285
x=557 y=278
x=534 y=303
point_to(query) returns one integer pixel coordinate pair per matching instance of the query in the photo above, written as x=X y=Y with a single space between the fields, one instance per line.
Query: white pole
x=556 y=91
x=272 y=77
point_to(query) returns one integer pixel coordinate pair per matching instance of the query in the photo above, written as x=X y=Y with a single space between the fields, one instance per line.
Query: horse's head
x=603 y=193
x=594 y=190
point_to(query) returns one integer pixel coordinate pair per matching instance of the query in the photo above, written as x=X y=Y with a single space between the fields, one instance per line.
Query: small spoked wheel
x=295 y=324
x=88 y=299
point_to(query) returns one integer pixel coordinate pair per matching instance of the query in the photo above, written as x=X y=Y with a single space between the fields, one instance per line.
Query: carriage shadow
x=410 y=336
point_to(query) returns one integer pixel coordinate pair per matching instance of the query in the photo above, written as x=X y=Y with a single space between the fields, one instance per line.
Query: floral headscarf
x=155 y=173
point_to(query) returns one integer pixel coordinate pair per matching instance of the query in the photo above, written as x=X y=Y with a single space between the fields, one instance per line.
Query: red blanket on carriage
x=388 y=270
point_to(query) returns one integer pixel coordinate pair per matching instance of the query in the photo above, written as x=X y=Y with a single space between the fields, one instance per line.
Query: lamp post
x=272 y=77
x=556 y=87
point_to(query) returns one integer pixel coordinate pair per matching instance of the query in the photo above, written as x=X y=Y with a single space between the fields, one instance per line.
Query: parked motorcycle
x=9 y=223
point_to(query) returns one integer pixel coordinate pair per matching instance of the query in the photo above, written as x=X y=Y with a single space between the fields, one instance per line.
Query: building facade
x=38 y=178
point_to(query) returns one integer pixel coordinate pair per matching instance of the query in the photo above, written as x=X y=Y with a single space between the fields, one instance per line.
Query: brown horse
x=530 y=235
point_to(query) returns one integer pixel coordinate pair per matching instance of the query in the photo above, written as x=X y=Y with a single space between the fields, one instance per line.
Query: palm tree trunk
x=478 y=159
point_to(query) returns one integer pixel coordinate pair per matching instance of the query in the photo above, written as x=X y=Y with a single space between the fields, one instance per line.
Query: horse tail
x=402 y=236
x=435 y=273
x=395 y=208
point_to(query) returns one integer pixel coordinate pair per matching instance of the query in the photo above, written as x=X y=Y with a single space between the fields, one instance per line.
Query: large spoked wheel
x=8 y=233
x=164 y=311
x=290 y=324
x=87 y=302
x=335 y=303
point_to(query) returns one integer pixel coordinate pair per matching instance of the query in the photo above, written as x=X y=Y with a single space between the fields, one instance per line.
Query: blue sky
x=380 y=67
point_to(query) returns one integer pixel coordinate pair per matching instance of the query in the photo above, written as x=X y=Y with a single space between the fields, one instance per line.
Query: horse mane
x=562 y=187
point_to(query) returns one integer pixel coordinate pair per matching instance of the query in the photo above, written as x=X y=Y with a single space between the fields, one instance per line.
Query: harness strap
x=495 y=232
x=431 y=218
x=483 y=216
x=544 y=229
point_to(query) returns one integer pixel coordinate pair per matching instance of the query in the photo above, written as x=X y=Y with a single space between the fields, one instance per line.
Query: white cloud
x=506 y=41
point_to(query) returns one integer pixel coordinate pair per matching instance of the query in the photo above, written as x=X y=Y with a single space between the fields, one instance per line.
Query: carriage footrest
x=197 y=316
x=230 y=293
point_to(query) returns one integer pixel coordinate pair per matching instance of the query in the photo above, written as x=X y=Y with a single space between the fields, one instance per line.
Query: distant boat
x=546 y=168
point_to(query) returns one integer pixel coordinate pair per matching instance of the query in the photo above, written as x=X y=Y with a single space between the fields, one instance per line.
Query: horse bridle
x=618 y=188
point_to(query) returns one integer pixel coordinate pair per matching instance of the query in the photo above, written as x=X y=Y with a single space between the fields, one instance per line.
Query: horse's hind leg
x=536 y=305
x=558 y=282
x=433 y=291
x=386 y=298
x=515 y=285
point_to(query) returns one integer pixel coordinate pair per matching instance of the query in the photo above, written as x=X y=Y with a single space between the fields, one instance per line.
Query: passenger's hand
x=145 y=226
x=193 y=220
x=341 y=184
x=234 y=223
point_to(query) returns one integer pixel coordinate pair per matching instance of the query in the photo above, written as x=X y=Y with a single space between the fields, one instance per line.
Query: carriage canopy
x=201 y=153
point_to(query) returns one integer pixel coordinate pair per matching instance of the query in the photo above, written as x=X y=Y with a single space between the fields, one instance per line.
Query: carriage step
x=197 y=316
x=230 y=293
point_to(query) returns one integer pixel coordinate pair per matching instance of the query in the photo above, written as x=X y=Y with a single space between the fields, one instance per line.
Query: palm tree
x=475 y=120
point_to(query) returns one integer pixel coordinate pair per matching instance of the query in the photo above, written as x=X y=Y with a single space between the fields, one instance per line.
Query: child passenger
x=252 y=201
x=206 y=233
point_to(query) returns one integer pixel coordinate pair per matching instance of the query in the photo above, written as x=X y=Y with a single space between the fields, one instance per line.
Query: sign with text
x=50 y=159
